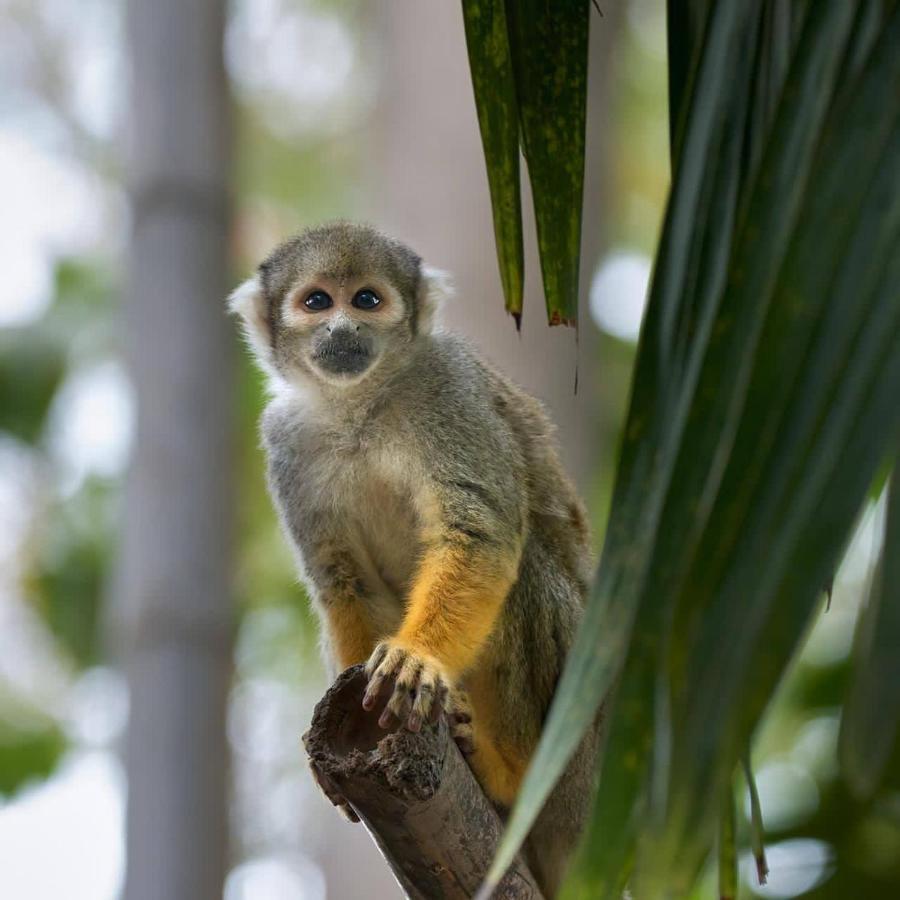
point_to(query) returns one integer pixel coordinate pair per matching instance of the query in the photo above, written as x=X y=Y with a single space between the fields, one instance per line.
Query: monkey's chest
x=386 y=536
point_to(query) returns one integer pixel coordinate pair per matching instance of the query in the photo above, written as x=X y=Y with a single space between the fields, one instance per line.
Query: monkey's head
x=335 y=303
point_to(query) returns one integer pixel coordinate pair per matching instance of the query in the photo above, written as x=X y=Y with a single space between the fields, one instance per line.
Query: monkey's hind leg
x=498 y=766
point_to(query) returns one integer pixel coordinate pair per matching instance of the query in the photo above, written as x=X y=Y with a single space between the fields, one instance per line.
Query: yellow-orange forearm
x=455 y=601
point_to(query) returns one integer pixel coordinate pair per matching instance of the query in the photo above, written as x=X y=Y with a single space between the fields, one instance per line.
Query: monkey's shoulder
x=465 y=394
x=452 y=378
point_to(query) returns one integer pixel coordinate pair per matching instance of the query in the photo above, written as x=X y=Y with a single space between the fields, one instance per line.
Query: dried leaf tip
x=757 y=830
x=556 y=318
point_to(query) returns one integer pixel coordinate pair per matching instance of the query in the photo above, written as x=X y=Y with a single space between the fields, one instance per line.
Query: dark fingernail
x=384 y=720
x=372 y=691
x=414 y=723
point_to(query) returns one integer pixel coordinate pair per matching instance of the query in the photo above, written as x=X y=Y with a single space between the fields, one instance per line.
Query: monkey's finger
x=374 y=661
x=422 y=706
x=464 y=735
x=410 y=673
x=388 y=720
x=459 y=707
x=440 y=702
x=420 y=678
x=380 y=687
x=400 y=702
x=391 y=659
x=347 y=811
x=426 y=689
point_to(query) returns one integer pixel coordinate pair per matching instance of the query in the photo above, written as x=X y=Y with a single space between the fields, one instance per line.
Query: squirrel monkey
x=440 y=539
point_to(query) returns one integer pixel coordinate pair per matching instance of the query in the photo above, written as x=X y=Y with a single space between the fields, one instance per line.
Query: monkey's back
x=460 y=399
x=527 y=651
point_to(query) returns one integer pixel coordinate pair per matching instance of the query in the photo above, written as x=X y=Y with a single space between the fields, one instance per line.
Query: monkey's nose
x=342 y=333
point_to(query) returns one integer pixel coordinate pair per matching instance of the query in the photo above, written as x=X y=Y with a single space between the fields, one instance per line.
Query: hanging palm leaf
x=529 y=69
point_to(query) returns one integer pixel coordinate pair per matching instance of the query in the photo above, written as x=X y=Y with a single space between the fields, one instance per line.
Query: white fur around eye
x=249 y=302
x=437 y=287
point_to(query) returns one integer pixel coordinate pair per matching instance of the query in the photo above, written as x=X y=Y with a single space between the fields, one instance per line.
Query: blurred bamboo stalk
x=174 y=594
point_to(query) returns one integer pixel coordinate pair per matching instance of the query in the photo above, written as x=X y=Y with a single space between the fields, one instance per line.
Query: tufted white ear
x=436 y=287
x=249 y=302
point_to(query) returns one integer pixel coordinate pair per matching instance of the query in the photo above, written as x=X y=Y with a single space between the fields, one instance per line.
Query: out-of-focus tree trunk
x=174 y=594
x=434 y=195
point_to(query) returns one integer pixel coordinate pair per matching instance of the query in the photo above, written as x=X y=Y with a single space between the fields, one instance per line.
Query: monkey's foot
x=416 y=686
x=330 y=790
x=459 y=718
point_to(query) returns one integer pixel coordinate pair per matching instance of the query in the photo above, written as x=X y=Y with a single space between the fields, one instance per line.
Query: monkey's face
x=336 y=303
x=338 y=330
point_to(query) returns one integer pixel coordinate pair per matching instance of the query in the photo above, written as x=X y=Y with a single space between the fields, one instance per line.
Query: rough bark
x=416 y=796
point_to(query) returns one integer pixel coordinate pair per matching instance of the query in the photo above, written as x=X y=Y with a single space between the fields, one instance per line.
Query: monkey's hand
x=417 y=686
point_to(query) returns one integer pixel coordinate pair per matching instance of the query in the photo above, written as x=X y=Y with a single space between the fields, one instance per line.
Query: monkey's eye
x=317 y=300
x=366 y=299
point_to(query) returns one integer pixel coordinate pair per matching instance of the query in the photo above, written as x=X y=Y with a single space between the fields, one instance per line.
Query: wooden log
x=416 y=796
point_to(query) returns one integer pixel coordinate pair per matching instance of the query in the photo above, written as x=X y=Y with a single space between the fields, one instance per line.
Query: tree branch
x=416 y=796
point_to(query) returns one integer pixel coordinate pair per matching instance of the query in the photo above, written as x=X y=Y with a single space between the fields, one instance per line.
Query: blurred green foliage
x=70 y=568
x=763 y=405
x=69 y=543
x=29 y=750
x=32 y=365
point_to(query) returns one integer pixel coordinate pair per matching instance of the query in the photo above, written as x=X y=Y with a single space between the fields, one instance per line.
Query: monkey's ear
x=249 y=302
x=436 y=287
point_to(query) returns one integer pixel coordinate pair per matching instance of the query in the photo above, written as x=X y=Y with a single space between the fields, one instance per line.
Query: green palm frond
x=763 y=406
